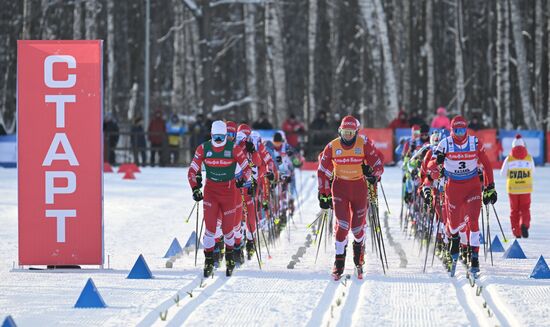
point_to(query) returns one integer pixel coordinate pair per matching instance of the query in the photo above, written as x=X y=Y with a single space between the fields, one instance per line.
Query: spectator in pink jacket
x=441 y=120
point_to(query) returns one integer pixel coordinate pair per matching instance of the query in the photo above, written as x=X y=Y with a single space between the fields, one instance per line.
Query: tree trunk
x=312 y=37
x=503 y=66
x=91 y=19
x=250 y=50
x=193 y=66
x=45 y=27
x=376 y=67
x=430 y=79
x=459 y=60
x=110 y=57
x=276 y=63
x=77 y=20
x=530 y=120
x=177 y=99
x=27 y=19
x=389 y=78
x=539 y=57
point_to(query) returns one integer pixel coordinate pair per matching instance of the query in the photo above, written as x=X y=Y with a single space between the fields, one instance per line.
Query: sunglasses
x=347 y=132
x=460 y=131
x=218 y=137
x=231 y=134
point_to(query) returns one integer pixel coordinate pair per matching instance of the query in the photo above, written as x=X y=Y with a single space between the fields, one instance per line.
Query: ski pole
x=385 y=200
x=484 y=235
x=435 y=244
x=259 y=245
x=245 y=209
x=499 y=224
x=489 y=233
x=430 y=232
x=198 y=235
x=191 y=213
x=320 y=236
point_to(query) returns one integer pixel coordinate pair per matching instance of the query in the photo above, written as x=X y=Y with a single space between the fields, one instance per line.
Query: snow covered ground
x=144 y=215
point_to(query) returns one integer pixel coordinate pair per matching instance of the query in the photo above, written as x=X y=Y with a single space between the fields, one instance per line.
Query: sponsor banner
x=60 y=191
x=489 y=139
x=534 y=141
x=382 y=139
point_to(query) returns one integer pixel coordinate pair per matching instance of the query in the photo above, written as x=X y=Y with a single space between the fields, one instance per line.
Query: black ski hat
x=277 y=137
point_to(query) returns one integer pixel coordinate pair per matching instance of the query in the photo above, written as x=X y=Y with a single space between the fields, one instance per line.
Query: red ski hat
x=349 y=122
x=459 y=129
x=245 y=129
x=415 y=131
x=231 y=126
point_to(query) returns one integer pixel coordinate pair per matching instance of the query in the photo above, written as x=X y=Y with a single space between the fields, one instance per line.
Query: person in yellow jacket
x=519 y=168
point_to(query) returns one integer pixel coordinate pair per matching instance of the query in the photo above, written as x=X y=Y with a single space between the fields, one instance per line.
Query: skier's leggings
x=219 y=201
x=350 y=202
x=463 y=204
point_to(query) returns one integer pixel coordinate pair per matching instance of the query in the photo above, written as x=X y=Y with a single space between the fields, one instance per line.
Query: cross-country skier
x=459 y=156
x=518 y=167
x=220 y=158
x=347 y=161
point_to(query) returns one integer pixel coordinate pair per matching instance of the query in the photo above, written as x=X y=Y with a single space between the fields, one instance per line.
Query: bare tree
x=430 y=79
x=309 y=113
x=459 y=60
x=275 y=57
x=529 y=117
x=503 y=65
x=27 y=19
x=92 y=9
x=178 y=99
x=389 y=77
x=539 y=56
x=250 y=49
x=110 y=56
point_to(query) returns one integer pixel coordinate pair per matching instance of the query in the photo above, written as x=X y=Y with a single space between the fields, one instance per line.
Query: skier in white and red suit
x=220 y=158
x=247 y=196
x=347 y=160
x=460 y=155
x=267 y=168
x=432 y=190
x=219 y=249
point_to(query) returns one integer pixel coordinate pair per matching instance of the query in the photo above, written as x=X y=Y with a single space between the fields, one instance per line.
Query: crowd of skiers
x=447 y=179
x=249 y=191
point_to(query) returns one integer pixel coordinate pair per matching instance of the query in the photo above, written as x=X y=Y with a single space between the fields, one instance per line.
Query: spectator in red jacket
x=400 y=122
x=157 y=134
x=293 y=129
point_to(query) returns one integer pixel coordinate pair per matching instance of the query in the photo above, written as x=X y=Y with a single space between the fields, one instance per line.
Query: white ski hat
x=518 y=141
x=218 y=127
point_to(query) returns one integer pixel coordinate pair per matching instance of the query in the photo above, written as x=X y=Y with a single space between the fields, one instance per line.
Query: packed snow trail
x=143 y=216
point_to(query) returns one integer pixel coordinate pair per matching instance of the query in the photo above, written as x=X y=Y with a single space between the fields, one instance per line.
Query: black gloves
x=250 y=147
x=490 y=194
x=427 y=193
x=325 y=201
x=408 y=197
x=279 y=160
x=197 y=194
x=369 y=174
x=198 y=178
x=239 y=182
x=270 y=176
x=440 y=158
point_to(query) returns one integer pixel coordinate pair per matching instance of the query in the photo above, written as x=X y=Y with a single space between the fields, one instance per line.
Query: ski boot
x=455 y=249
x=474 y=266
x=465 y=254
x=358 y=258
x=208 y=264
x=524 y=231
x=217 y=252
x=250 y=249
x=229 y=262
x=339 y=264
x=238 y=255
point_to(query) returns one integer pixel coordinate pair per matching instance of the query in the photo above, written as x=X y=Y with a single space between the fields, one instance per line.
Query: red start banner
x=60 y=176
x=382 y=139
